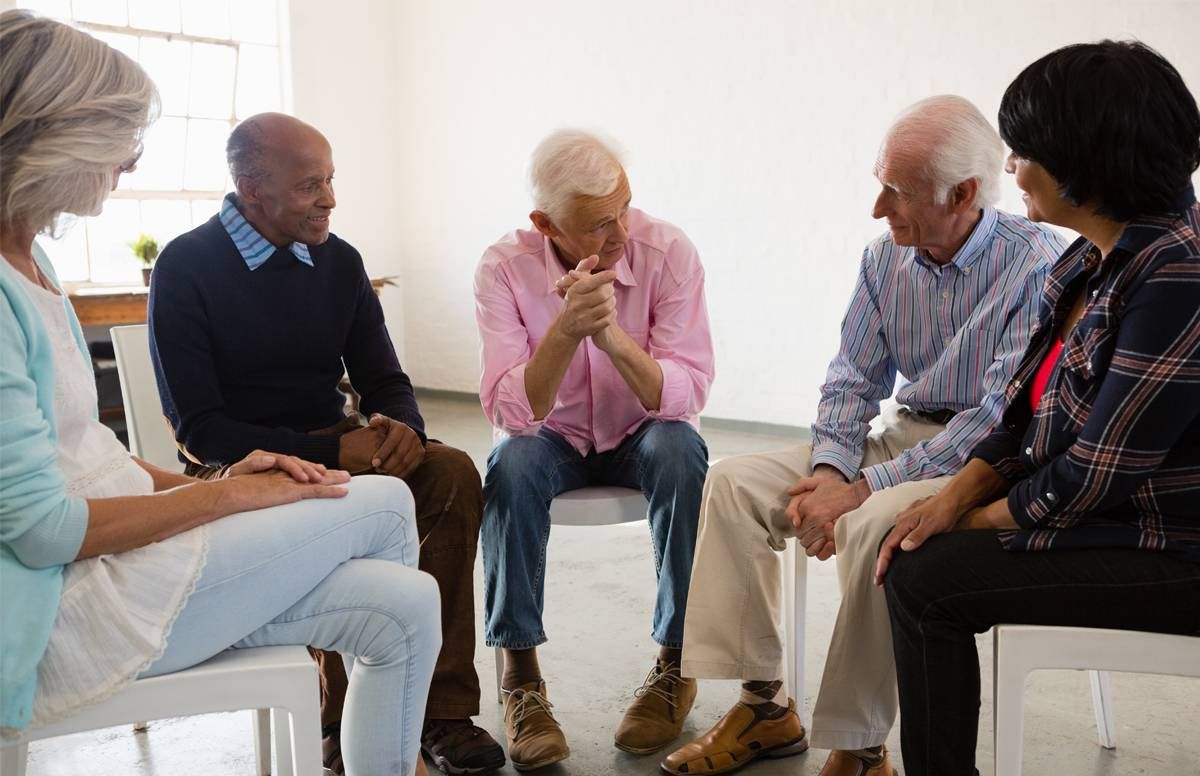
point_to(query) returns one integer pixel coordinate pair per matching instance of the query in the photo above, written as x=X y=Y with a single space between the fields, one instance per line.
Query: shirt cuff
x=56 y=538
x=511 y=411
x=324 y=449
x=885 y=475
x=673 y=401
x=840 y=458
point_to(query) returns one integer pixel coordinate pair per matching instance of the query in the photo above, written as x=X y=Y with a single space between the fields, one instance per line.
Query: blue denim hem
x=505 y=644
x=667 y=644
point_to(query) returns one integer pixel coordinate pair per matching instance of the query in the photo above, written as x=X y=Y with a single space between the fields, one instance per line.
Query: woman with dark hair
x=1081 y=507
x=111 y=568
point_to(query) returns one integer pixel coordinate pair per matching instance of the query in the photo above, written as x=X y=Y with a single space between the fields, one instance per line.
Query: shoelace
x=530 y=703
x=657 y=677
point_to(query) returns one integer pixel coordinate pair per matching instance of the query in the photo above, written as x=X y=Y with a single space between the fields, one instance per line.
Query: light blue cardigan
x=41 y=528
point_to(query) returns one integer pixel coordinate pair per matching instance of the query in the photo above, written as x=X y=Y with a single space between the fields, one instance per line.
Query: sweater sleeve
x=371 y=361
x=39 y=522
x=181 y=349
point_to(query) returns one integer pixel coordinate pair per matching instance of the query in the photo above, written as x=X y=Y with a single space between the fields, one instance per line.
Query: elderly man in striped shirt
x=945 y=300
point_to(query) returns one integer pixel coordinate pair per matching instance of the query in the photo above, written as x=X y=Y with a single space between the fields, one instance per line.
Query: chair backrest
x=150 y=436
x=600 y=505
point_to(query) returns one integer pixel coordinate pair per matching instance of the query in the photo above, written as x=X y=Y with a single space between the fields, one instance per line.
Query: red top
x=1042 y=377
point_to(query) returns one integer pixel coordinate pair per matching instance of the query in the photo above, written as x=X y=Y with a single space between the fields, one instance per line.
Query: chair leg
x=12 y=760
x=1008 y=698
x=282 y=733
x=1106 y=729
x=262 y=741
x=790 y=552
x=499 y=675
x=141 y=727
x=799 y=615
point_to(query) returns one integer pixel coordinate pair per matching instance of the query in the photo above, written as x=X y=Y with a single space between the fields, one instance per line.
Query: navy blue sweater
x=251 y=360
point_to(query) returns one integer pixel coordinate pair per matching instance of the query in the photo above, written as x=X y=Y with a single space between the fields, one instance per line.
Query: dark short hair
x=1112 y=122
x=245 y=151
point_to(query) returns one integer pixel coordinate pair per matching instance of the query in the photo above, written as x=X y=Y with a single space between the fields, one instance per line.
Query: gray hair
x=245 y=151
x=571 y=163
x=72 y=110
x=962 y=145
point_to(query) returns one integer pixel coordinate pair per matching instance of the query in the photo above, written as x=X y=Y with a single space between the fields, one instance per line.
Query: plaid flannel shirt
x=1111 y=457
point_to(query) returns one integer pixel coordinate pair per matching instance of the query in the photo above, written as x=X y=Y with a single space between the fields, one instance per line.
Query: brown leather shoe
x=848 y=764
x=656 y=715
x=739 y=738
x=534 y=738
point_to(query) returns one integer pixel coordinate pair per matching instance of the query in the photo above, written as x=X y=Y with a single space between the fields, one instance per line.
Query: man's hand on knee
x=816 y=504
x=401 y=450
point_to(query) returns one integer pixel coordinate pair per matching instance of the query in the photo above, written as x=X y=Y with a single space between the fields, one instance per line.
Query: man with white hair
x=945 y=299
x=597 y=361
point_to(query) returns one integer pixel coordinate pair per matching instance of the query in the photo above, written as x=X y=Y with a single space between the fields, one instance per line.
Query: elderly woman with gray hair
x=113 y=568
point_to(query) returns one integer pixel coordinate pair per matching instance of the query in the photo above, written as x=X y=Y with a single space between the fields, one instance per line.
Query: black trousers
x=963 y=583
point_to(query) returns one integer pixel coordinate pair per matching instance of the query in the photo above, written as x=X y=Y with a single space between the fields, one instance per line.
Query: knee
x=518 y=465
x=380 y=492
x=412 y=615
x=677 y=450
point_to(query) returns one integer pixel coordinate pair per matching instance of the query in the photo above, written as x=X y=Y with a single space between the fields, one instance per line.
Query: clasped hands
x=383 y=446
x=817 y=502
x=591 y=309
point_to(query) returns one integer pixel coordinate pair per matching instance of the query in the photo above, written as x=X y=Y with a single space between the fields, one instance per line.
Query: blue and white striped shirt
x=255 y=248
x=953 y=333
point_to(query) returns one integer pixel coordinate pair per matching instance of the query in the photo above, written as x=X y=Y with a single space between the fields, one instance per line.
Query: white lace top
x=116 y=610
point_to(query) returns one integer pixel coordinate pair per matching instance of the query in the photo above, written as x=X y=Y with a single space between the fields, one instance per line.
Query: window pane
x=257 y=80
x=204 y=209
x=212 y=81
x=168 y=63
x=166 y=219
x=56 y=9
x=161 y=165
x=154 y=15
x=108 y=237
x=256 y=21
x=205 y=170
x=101 y=11
x=68 y=253
x=208 y=18
x=126 y=44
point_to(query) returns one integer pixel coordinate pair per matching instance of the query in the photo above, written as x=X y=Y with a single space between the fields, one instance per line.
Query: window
x=215 y=62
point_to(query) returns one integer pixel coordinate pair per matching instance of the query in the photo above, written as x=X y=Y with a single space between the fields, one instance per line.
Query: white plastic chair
x=1021 y=649
x=612 y=506
x=150 y=437
x=280 y=678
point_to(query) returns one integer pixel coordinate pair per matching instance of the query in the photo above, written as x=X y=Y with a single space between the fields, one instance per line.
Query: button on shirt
x=953 y=333
x=660 y=304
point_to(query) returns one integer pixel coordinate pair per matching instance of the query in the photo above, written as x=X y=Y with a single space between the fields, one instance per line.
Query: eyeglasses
x=131 y=165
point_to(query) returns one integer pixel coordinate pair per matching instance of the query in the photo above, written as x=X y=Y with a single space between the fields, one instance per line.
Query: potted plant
x=146 y=250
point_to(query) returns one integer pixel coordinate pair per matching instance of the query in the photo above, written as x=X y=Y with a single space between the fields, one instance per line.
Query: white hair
x=570 y=163
x=72 y=109
x=961 y=144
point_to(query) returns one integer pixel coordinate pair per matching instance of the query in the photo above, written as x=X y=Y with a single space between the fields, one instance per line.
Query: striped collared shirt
x=255 y=248
x=1111 y=457
x=953 y=333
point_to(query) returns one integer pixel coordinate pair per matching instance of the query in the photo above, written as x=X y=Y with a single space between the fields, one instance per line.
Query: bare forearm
x=163 y=479
x=641 y=372
x=128 y=522
x=545 y=369
x=977 y=484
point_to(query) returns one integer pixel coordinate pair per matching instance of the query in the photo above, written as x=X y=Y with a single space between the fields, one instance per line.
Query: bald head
x=263 y=142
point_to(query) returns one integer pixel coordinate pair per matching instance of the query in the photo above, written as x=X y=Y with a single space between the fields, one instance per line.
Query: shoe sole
x=541 y=763
x=635 y=750
x=445 y=766
x=789 y=749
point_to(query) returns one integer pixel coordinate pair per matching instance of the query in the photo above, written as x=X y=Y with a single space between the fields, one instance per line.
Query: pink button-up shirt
x=660 y=304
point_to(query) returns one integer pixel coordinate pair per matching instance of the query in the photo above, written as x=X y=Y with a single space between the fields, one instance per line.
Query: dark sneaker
x=458 y=747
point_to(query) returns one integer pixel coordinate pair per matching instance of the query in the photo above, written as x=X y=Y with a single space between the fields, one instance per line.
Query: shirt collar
x=554 y=267
x=255 y=248
x=975 y=245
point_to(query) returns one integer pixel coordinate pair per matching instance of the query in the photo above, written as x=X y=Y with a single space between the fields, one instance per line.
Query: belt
x=941 y=417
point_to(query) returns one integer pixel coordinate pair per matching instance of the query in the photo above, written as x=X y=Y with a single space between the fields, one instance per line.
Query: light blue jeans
x=338 y=574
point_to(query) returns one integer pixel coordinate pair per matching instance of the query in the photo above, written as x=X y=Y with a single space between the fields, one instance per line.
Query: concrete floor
x=598 y=602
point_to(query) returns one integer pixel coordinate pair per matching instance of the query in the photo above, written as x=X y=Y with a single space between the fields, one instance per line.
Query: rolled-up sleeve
x=504 y=351
x=680 y=339
x=39 y=522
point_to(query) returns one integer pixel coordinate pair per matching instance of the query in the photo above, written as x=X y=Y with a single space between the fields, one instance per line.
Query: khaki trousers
x=732 y=627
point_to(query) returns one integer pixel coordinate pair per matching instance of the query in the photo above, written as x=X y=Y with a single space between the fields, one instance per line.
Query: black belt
x=941 y=417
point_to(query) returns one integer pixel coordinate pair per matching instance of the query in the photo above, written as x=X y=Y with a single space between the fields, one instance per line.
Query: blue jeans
x=666 y=460
x=337 y=574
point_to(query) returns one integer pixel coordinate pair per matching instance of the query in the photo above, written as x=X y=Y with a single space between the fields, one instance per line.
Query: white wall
x=753 y=126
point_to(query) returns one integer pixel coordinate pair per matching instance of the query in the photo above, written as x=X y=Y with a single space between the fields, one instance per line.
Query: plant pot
x=146 y=276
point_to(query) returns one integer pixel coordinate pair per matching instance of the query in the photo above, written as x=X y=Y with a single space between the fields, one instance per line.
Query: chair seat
x=233 y=680
x=601 y=505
